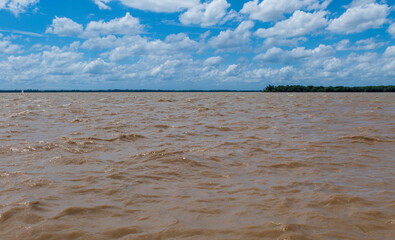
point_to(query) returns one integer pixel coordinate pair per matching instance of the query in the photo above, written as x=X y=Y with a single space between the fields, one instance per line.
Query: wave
x=122 y=137
x=73 y=211
x=365 y=139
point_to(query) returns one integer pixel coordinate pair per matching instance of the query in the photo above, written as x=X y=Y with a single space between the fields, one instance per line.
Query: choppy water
x=197 y=166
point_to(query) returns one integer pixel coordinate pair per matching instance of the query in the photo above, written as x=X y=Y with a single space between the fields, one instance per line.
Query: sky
x=195 y=44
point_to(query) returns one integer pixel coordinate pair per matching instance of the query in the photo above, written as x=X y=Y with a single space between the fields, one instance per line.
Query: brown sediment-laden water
x=197 y=166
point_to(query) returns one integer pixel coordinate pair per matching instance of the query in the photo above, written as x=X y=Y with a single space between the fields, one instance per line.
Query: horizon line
x=123 y=90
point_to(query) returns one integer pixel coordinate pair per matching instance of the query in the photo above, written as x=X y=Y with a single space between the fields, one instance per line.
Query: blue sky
x=195 y=44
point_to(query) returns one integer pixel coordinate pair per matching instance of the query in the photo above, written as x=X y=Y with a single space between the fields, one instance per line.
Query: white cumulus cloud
x=213 y=61
x=299 y=24
x=235 y=39
x=126 y=25
x=120 y=48
x=97 y=66
x=367 y=44
x=102 y=4
x=100 y=43
x=360 y=18
x=206 y=14
x=64 y=27
x=276 y=55
x=390 y=51
x=343 y=45
x=232 y=70
x=181 y=41
x=161 y=5
x=9 y=48
x=356 y=3
x=17 y=6
x=363 y=44
x=272 y=10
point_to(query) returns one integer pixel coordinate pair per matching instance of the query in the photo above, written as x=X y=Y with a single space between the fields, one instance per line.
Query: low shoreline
x=300 y=88
x=268 y=89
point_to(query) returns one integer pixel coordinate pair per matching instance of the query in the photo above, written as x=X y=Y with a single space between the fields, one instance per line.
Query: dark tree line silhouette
x=300 y=88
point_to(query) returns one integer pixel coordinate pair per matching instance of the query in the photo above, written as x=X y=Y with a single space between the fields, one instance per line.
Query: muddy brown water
x=197 y=166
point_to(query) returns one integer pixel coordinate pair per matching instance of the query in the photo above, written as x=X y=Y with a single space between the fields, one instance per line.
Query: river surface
x=197 y=166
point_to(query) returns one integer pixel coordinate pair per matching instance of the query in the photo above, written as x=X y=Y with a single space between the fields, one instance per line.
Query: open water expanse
x=281 y=166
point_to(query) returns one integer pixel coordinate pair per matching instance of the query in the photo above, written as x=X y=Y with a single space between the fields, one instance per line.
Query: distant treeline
x=300 y=88
x=117 y=90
